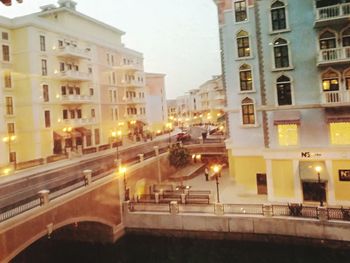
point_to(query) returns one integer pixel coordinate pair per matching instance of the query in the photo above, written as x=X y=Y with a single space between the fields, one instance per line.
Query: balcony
x=133 y=100
x=75 y=75
x=331 y=56
x=336 y=98
x=132 y=83
x=332 y=15
x=75 y=52
x=79 y=122
x=76 y=99
x=128 y=66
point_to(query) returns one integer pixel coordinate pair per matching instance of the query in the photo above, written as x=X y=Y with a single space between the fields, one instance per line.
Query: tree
x=179 y=157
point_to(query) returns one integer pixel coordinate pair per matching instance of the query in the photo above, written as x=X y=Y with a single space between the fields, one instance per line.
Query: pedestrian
x=206 y=173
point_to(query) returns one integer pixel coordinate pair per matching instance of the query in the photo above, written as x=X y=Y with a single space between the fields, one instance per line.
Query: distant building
x=286 y=69
x=156 y=110
x=67 y=83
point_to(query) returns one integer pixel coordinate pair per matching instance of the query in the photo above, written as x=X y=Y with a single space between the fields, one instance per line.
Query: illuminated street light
x=122 y=170
x=9 y=139
x=320 y=192
x=217 y=169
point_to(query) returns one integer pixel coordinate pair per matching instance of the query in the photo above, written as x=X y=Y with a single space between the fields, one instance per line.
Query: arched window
x=327 y=40
x=347 y=78
x=284 y=93
x=245 y=78
x=243 y=44
x=248 y=111
x=278 y=16
x=330 y=81
x=346 y=37
x=281 y=53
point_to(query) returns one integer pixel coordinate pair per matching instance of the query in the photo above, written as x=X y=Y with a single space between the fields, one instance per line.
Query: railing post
x=141 y=157
x=87 y=177
x=322 y=213
x=267 y=210
x=219 y=209
x=156 y=150
x=174 y=207
x=156 y=197
x=44 y=197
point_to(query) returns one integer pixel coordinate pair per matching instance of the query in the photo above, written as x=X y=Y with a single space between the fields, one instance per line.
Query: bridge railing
x=18 y=208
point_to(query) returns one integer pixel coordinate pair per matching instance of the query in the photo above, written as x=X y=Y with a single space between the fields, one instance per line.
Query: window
x=65 y=114
x=327 y=40
x=115 y=95
x=243 y=44
x=91 y=92
x=46 y=92
x=79 y=113
x=42 y=43
x=115 y=114
x=60 y=43
x=278 y=16
x=5 y=36
x=287 y=134
x=284 y=93
x=93 y=114
x=44 y=67
x=97 y=136
x=90 y=70
x=340 y=133
x=72 y=114
x=110 y=96
x=77 y=90
x=7 y=79
x=9 y=105
x=10 y=128
x=62 y=66
x=330 y=81
x=5 y=53
x=346 y=37
x=47 y=119
x=347 y=79
x=63 y=90
x=248 y=115
x=88 y=140
x=240 y=11
x=281 y=53
x=245 y=78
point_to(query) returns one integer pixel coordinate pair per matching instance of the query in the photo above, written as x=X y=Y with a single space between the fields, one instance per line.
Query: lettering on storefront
x=310 y=154
x=344 y=175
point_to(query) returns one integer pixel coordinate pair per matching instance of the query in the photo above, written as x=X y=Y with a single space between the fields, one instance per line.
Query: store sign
x=309 y=154
x=344 y=175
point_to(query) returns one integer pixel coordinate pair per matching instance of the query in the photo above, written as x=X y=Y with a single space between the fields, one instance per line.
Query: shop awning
x=84 y=131
x=286 y=117
x=338 y=115
x=339 y=118
x=307 y=171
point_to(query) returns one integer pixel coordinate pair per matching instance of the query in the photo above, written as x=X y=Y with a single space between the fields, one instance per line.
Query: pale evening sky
x=177 y=37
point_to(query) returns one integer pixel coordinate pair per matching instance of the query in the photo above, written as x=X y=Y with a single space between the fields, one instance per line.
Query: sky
x=179 y=38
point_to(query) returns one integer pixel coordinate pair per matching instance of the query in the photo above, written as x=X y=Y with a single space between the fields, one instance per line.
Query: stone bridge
x=91 y=211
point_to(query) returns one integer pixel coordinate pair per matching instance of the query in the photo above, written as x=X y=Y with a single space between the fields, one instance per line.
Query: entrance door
x=261 y=184
x=314 y=191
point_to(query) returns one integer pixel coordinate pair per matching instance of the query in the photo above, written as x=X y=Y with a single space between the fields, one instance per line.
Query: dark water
x=143 y=248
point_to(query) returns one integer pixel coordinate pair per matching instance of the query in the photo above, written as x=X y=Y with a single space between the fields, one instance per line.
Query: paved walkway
x=229 y=191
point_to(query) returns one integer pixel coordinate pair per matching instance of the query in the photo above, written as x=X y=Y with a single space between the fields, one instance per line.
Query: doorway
x=261 y=183
x=314 y=191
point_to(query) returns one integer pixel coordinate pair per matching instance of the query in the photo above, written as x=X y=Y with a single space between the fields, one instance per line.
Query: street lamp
x=320 y=192
x=115 y=136
x=8 y=139
x=122 y=170
x=217 y=169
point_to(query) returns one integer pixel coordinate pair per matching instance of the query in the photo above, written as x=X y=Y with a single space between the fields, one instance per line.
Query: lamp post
x=122 y=170
x=8 y=139
x=217 y=169
x=115 y=136
x=320 y=193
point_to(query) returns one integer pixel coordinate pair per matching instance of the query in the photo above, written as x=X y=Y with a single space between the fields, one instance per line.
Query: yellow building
x=67 y=83
x=286 y=77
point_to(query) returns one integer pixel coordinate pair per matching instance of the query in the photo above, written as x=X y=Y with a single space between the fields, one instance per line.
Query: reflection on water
x=143 y=248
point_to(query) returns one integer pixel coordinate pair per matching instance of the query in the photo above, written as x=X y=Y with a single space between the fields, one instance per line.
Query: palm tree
x=179 y=157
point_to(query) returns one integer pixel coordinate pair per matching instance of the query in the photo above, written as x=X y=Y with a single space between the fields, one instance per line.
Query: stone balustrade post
x=174 y=207
x=44 y=197
x=69 y=152
x=156 y=197
x=267 y=210
x=141 y=156
x=219 y=209
x=156 y=150
x=87 y=177
x=322 y=213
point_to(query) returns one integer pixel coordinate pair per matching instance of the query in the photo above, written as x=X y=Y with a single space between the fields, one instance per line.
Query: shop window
x=340 y=133
x=287 y=134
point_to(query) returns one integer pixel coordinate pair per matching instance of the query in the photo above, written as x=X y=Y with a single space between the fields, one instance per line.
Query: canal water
x=151 y=249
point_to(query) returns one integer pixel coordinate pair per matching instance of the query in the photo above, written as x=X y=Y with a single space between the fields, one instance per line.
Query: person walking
x=206 y=173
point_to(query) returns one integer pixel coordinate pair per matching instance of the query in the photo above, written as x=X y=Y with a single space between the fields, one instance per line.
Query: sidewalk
x=66 y=162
